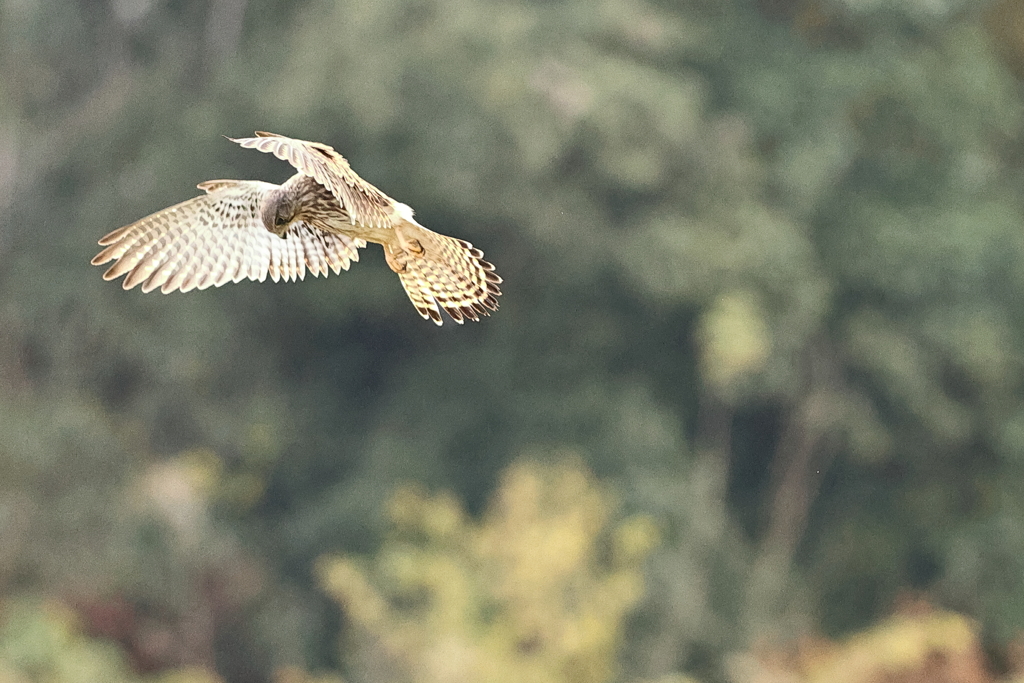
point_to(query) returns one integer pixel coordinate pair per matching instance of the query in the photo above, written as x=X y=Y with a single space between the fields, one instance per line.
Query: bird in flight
x=317 y=220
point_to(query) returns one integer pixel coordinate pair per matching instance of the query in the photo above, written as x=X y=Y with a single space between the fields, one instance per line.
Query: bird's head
x=278 y=211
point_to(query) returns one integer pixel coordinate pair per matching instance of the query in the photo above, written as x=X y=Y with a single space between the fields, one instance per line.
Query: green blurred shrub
x=920 y=644
x=537 y=591
x=42 y=641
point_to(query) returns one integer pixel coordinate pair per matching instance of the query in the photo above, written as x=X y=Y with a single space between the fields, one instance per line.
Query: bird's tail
x=449 y=274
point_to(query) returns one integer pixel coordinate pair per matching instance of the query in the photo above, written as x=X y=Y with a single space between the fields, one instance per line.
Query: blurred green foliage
x=43 y=642
x=763 y=265
x=920 y=644
x=537 y=591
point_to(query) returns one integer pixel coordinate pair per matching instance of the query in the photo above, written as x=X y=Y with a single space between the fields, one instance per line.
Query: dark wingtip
x=430 y=314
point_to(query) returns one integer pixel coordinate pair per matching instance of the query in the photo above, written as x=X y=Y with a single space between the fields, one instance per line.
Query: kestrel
x=317 y=220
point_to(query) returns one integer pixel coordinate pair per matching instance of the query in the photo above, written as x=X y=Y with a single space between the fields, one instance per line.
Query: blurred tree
x=43 y=641
x=917 y=645
x=537 y=591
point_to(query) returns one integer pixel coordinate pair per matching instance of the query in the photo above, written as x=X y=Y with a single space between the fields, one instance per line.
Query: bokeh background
x=752 y=410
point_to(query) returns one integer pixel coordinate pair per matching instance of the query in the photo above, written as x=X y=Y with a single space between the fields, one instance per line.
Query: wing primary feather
x=174 y=253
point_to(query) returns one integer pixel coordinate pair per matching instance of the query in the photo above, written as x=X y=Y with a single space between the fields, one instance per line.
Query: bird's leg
x=397 y=259
x=409 y=244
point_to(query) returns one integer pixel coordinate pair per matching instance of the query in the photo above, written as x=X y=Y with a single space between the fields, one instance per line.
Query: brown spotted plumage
x=316 y=221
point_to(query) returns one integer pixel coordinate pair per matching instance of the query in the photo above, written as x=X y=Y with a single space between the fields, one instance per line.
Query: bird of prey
x=317 y=220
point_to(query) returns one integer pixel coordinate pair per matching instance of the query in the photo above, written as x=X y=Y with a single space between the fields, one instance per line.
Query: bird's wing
x=217 y=238
x=364 y=203
x=451 y=274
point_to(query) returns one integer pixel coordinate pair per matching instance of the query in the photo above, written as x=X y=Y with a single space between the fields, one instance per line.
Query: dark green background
x=830 y=188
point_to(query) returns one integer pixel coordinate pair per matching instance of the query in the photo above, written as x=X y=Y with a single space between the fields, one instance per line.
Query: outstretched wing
x=451 y=274
x=217 y=238
x=364 y=203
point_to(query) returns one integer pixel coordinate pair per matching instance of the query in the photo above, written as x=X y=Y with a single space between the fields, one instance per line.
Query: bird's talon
x=398 y=261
